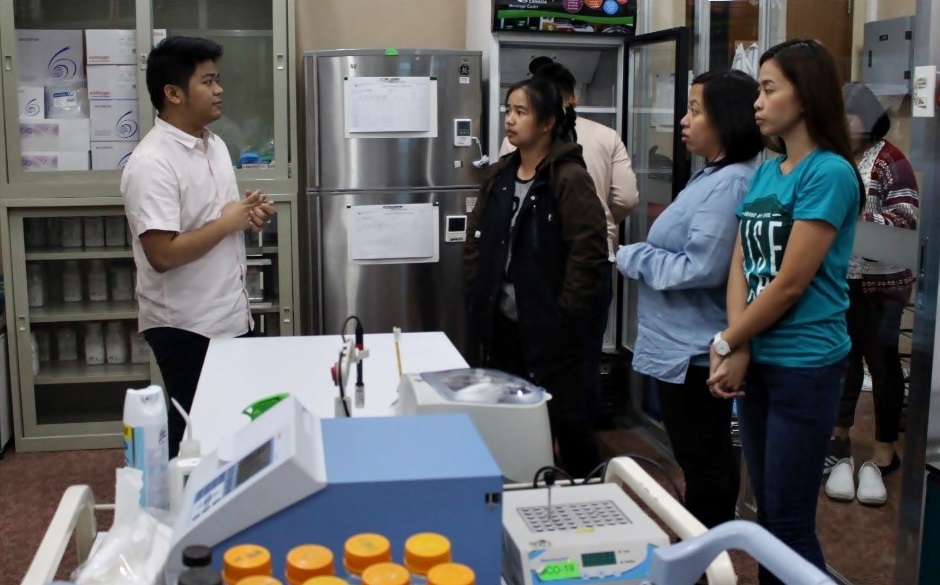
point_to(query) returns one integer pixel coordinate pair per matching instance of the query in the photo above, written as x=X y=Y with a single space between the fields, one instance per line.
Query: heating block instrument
x=577 y=534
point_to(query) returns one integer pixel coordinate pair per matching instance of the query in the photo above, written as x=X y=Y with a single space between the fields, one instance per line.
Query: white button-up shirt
x=176 y=182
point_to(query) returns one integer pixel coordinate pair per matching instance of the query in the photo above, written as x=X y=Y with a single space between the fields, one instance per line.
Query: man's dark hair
x=174 y=61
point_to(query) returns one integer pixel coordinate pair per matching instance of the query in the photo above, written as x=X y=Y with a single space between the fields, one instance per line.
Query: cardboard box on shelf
x=110 y=156
x=112 y=82
x=49 y=54
x=54 y=135
x=114 y=121
x=55 y=161
x=32 y=101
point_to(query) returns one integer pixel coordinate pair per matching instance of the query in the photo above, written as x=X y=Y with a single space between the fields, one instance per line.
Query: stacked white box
x=110 y=156
x=55 y=161
x=54 y=135
x=50 y=62
x=114 y=121
x=32 y=102
x=115 y=46
x=43 y=55
x=112 y=82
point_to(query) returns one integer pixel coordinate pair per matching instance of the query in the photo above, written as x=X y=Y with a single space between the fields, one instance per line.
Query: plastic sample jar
x=330 y=580
x=361 y=551
x=424 y=551
x=308 y=561
x=451 y=574
x=247 y=560
x=386 y=574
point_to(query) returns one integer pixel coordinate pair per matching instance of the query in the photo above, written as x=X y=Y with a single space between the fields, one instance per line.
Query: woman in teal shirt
x=786 y=308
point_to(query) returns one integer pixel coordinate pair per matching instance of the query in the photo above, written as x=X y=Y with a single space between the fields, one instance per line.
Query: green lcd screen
x=598 y=559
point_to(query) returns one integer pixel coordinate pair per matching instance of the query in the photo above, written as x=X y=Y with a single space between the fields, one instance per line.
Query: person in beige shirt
x=609 y=166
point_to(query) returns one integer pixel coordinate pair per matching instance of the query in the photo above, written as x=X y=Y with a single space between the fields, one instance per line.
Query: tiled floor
x=858 y=541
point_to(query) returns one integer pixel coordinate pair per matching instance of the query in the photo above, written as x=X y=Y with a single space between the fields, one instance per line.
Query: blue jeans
x=787 y=416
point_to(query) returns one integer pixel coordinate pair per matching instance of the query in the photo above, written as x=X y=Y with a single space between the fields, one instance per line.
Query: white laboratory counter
x=238 y=372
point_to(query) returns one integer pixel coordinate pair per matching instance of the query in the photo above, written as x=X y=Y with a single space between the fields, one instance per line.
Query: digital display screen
x=254 y=462
x=598 y=559
x=607 y=17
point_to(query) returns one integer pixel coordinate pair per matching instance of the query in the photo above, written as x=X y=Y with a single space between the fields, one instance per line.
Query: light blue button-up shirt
x=682 y=272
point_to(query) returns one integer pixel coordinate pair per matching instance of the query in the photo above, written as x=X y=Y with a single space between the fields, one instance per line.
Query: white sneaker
x=841 y=483
x=871 y=487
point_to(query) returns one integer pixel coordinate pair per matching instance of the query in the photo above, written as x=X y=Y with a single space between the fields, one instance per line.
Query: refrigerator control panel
x=463 y=132
x=456 y=229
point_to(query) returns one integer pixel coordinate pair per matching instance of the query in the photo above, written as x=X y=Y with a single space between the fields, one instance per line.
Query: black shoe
x=893 y=466
x=837 y=450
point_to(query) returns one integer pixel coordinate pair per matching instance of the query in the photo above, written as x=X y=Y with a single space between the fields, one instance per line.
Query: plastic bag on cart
x=135 y=548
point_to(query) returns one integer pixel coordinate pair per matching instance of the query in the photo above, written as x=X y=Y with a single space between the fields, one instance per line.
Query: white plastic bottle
x=72 y=282
x=116 y=343
x=146 y=446
x=34 y=351
x=183 y=465
x=94 y=344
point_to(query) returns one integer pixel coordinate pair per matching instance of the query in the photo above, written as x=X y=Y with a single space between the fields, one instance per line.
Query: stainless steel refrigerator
x=392 y=137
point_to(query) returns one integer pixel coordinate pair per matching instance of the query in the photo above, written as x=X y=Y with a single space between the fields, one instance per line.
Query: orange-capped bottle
x=361 y=551
x=451 y=574
x=386 y=574
x=423 y=552
x=246 y=560
x=308 y=561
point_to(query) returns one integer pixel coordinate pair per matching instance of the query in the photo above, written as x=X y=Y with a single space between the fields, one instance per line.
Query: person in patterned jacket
x=878 y=293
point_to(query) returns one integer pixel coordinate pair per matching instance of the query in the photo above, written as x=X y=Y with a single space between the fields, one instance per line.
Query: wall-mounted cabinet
x=75 y=103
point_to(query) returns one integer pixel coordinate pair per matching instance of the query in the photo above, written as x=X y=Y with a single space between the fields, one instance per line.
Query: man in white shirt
x=188 y=221
x=609 y=166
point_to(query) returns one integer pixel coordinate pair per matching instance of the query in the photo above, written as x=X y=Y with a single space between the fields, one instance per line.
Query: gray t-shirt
x=507 y=300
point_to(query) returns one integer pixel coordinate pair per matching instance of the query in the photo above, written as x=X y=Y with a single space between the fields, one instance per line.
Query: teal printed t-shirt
x=822 y=187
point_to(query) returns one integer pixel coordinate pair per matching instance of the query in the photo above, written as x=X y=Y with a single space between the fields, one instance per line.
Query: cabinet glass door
x=72 y=87
x=253 y=71
x=657 y=91
x=656 y=72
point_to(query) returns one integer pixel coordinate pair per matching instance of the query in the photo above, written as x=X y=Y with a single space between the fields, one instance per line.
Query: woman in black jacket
x=536 y=259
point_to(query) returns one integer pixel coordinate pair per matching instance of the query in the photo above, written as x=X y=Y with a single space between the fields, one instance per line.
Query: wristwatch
x=721 y=346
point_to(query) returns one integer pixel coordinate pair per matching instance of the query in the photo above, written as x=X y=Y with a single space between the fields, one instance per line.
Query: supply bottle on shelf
x=34 y=351
x=97 y=281
x=423 y=552
x=94 y=344
x=361 y=551
x=145 y=443
x=451 y=574
x=94 y=232
x=72 y=282
x=243 y=561
x=306 y=562
x=116 y=343
x=386 y=574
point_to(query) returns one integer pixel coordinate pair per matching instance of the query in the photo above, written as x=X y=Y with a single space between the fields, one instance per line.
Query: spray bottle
x=146 y=446
x=182 y=466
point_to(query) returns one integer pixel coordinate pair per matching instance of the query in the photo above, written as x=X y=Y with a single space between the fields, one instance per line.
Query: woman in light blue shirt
x=681 y=272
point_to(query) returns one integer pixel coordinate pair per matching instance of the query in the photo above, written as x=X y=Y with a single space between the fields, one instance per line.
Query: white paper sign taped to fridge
x=398 y=232
x=389 y=104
